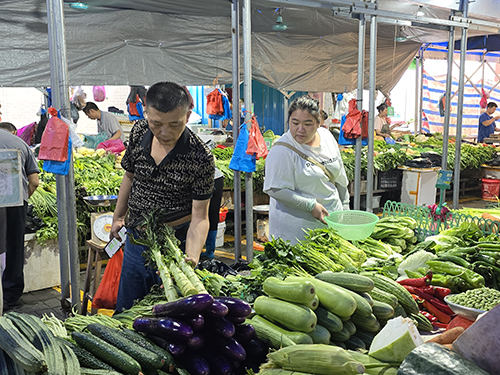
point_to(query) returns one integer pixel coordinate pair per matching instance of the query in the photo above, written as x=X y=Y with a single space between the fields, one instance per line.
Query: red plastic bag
x=214 y=103
x=115 y=146
x=107 y=292
x=54 y=143
x=256 y=143
x=99 y=93
x=484 y=100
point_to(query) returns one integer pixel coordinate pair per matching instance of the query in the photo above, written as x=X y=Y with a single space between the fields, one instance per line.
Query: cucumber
x=363 y=307
x=291 y=316
x=390 y=286
x=147 y=359
x=370 y=323
x=328 y=320
x=85 y=358
x=350 y=326
x=354 y=343
x=400 y=311
x=314 y=303
x=366 y=336
x=351 y=281
x=334 y=298
x=338 y=343
x=367 y=297
x=341 y=336
x=382 y=296
x=296 y=337
x=382 y=310
x=297 y=291
x=107 y=352
x=424 y=324
x=320 y=335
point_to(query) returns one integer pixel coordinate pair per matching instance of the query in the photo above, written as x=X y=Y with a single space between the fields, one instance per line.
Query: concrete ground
x=48 y=301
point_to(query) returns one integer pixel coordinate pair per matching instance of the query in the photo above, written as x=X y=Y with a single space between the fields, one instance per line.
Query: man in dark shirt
x=487 y=124
x=168 y=168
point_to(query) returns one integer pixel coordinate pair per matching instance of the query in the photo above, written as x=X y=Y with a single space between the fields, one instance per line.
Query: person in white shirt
x=381 y=125
x=305 y=182
x=106 y=122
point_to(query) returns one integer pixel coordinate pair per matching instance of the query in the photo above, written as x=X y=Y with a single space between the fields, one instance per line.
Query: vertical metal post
x=247 y=64
x=464 y=8
x=417 y=92
x=359 y=97
x=68 y=243
x=371 y=122
x=235 y=27
x=421 y=96
x=447 y=110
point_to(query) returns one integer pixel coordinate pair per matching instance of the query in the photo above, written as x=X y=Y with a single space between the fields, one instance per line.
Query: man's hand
x=319 y=212
x=115 y=229
x=496 y=118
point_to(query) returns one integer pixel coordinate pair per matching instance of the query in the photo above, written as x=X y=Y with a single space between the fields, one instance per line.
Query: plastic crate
x=390 y=179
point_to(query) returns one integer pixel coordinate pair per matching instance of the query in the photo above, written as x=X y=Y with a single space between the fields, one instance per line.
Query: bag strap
x=309 y=159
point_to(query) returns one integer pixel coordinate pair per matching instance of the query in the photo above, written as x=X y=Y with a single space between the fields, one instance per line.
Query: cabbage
x=443 y=242
x=415 y=261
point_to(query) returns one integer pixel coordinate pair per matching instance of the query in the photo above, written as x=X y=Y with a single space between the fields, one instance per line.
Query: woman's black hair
x=305 y=103
x=324 y=115
x=381 y=107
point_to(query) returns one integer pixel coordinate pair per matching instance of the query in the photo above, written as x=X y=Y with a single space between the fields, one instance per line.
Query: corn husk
x=316 y=359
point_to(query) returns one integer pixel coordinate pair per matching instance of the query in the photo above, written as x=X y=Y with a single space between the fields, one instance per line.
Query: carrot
x=448 y=337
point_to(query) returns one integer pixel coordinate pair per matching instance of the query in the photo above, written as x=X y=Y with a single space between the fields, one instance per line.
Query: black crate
x=392 y=179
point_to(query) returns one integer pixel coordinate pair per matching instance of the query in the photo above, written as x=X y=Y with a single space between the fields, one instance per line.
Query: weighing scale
x=100 y=222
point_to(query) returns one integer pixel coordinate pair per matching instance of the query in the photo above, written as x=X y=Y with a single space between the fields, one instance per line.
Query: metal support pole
x=421 y=97
x=359 y=97
x=417 y=92
x=464 y=8
x=235 y=27
x=247 y=63
x=447 y=110
x=68 y=242
x=371 y=122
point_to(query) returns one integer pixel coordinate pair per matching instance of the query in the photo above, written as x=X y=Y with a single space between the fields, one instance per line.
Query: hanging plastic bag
x=91 y=141
x=256 y=143
x=26 y=133
x=59 y=167
x=484 y=99
x=75 y=139
x=99 y=93
x=241 y=161
x=78 y=98
x=107 y=292
x=115 y=146
x=54 y=144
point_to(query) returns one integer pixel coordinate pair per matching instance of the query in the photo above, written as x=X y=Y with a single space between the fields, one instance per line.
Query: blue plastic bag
x=241 y=161
x=59 y=167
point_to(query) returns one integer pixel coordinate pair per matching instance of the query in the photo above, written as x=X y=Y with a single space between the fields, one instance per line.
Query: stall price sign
x=11 y=178
x=444 y=179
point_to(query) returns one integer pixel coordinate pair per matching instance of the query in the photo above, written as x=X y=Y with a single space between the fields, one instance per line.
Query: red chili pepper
x=409 y=288
x=429 y=289
x=419 y=292
x=440 y=315
x=441 y=292
x=442 y=306
x=421 y=281
x=428 y=315
x=417 y=298
x=440 y=325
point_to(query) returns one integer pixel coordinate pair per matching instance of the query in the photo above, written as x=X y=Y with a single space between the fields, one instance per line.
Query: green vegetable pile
x=482 y=298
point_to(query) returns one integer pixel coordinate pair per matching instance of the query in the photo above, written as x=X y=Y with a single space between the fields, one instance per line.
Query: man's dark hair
x=492 y=104
x=8 y=126
x=90 y=106
x=166 y=97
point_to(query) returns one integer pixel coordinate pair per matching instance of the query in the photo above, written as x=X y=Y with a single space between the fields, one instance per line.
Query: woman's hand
x=319 y=212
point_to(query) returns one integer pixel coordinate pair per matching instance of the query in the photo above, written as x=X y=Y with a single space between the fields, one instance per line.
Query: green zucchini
x=294 y=317
x=334 y=298
x=370 y=323
x=382 y=310
x=351 y=327
x=338 y=343
x=16 y=346
x=367 y=297
x=147 y=359
x=270 y=333
x=390 y=286
x=382 y=296
x=351 y=281
x=296 y=337
x=341 y=336
x=297 y=291
x=320 y=335
x=85 y=358
x=107 y=353
x=435 y=359
x=424 y=324
x=328 y=320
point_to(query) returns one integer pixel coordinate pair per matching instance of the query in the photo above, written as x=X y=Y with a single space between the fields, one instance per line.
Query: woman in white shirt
x=305 y=176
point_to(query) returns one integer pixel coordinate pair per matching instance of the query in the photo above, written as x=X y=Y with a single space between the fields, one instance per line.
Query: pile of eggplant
x=206 y=335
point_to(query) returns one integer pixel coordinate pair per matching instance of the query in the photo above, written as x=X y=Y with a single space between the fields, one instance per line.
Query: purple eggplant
x=194 y=363
x=169 y=328
x=256 y=349
x=174 y=348
x=196 y=322
x=196 y=342
x=215 y=310
x=187 y=306
x=219 y=365
x=237 y=319
x=222 y=327
x=236 y=306
x=230 y=348
x=244 y=333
